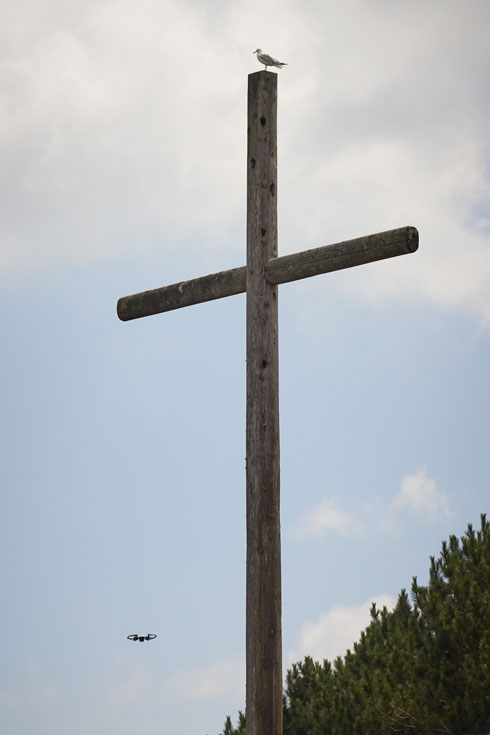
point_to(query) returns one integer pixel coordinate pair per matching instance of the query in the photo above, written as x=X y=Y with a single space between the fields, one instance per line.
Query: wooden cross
x=259 y=278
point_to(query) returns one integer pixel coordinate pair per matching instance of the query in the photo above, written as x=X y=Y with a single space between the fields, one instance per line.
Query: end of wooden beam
x=412 y=239
x=121 y=310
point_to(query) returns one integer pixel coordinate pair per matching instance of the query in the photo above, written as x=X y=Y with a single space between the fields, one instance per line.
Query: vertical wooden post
x=263 y=626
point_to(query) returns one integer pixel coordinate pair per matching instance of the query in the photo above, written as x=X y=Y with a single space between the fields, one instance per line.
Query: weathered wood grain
x=346 y=254
x=184 y=293
x=263 y=638
x=284 y=269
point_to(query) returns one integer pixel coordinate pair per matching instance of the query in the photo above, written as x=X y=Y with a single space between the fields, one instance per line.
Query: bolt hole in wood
x=263 y=121
x=263 y=231
x=252 y=162
x=264 y=363
x=272 y=189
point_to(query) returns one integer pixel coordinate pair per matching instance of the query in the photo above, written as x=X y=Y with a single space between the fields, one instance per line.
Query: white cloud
x=105 y=139
x=331 y=634
x=123 y=130
x=325 y=517
x=419 y=494
x=225 y=678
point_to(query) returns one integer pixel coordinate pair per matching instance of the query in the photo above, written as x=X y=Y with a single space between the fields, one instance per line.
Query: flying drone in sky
x=141 y=637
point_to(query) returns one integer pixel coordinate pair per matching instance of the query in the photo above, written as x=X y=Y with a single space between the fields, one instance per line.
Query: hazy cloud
x=218 y=679
x=139 y=687
x=31 y=697
x=331 y=634
x=419 y=494
x=327 y=516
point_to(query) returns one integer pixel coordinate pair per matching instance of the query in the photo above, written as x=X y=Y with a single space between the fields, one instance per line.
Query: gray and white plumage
x=268 y=60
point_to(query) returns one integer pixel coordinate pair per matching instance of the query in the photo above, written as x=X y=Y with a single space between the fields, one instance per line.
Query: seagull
x=268 y=60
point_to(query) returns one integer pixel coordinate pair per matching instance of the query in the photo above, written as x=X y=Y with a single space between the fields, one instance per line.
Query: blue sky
x=123 y=141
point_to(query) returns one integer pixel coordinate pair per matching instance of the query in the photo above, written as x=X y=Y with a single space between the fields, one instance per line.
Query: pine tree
x=308 y=699
x=422 y=668
x=238 y=730
x=455 y=622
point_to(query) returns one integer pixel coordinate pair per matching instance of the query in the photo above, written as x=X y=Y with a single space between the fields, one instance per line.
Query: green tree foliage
x=239 y=729
x=422 y=668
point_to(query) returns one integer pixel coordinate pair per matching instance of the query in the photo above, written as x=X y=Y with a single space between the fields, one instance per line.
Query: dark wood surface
x=325 y=259
x=263 y=635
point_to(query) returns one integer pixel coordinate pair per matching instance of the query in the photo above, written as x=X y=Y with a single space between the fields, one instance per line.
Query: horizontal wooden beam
x=185 y=293
x=326 y=259
x=342 y=255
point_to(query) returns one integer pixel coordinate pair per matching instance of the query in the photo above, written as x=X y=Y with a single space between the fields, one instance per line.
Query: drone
x=141 y=637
